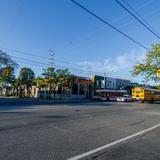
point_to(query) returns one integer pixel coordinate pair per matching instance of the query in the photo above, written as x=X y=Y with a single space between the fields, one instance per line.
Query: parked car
x=125 y=98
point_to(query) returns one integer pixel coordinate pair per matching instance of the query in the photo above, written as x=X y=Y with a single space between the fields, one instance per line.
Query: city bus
x=106 y=94
x=145 y=94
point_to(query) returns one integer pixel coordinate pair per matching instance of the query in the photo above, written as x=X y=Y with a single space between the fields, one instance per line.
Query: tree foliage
x=26 y=76
x=157 y=86
x=55 y=80
x=148 y=67
x=7 y=62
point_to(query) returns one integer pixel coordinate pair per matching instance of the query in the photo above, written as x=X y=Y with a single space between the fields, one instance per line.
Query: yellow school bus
x=145 y=94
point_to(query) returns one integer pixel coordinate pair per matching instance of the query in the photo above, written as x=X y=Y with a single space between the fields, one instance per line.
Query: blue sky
x=75 y=36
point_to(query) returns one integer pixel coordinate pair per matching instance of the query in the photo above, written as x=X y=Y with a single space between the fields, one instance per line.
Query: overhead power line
x=134 y=10
x=133 y=15
x=110 y=25
x=29 y=60
x=58 y=67
x=42 y=64
x=22 y=52
x=90 y=34
x=55 y=66
x=31 y=63
x=34 y=55
x=35 y=65
x=142 y=18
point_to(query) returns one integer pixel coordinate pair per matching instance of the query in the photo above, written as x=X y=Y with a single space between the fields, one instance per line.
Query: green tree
x=157 y=86
x=16 y=86
x=57 y=79
x=26 y=78
x=7 y=62
x=9 y=79
x=50 y=81
x=65 y=80
x=40 y=82
x=148 y=67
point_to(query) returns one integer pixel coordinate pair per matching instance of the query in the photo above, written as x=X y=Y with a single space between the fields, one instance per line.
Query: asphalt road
x=146 y=147
x=59 y=132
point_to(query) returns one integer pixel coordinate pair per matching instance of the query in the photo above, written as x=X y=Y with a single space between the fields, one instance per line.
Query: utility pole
x=105 y=80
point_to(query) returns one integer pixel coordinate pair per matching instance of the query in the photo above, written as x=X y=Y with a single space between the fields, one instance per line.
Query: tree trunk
x=60 y=93
x=20 y=92
x=54 y=92
x=17 y=91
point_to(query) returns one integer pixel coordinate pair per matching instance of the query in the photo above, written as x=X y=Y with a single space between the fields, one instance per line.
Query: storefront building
x=100 y=82
x=81 y=88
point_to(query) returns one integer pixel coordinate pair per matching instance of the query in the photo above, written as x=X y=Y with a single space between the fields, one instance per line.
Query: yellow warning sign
x=5 y=72
x=158 y=73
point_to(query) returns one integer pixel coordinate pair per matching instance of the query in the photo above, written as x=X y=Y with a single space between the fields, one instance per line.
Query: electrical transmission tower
x=51 y=59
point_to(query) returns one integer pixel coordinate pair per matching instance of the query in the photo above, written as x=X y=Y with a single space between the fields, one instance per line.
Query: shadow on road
x=3 y=112
x=15 y=103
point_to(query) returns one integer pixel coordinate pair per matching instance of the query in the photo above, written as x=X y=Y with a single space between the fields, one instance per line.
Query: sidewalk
x=35 y=101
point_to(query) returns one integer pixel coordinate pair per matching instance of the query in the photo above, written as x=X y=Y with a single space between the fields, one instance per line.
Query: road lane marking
x=78 y=157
